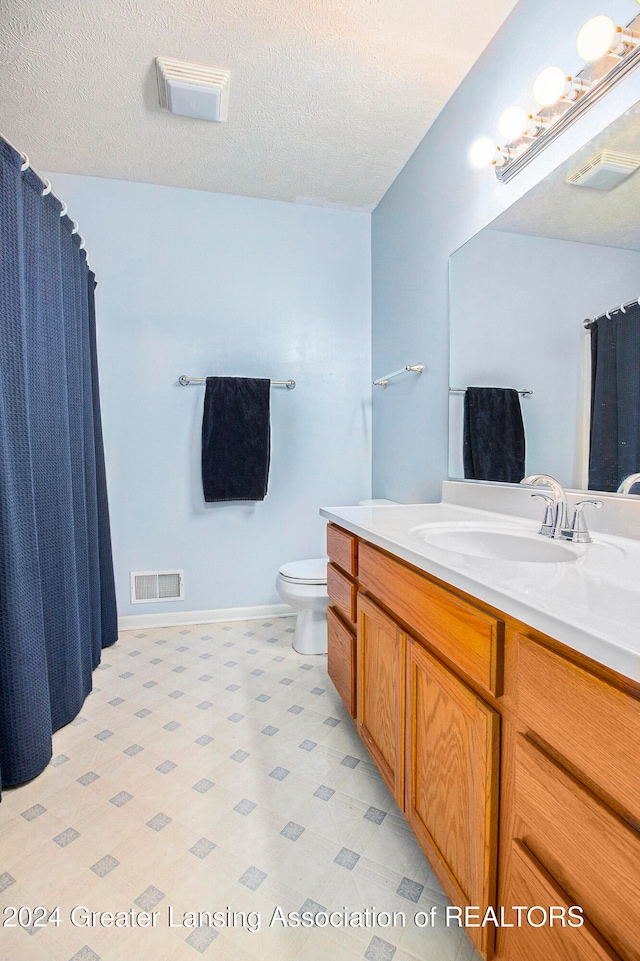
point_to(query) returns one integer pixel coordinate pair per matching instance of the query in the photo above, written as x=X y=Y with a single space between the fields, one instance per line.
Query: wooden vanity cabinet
x=515 y=759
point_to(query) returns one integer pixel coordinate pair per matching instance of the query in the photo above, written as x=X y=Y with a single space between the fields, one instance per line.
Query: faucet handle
x=578 y=532
x=548 y=520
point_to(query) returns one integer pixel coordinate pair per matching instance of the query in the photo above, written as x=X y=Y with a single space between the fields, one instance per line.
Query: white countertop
x=591 y=604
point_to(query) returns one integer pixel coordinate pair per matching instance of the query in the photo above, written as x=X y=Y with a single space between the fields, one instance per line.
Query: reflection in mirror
x=520 y=291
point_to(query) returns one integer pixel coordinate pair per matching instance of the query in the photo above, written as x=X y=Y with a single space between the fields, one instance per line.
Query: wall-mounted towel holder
x=383 y=381
x=463 y=390
x=184 y=381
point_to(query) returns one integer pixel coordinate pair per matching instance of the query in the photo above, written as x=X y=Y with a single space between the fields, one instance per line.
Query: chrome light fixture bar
x=591 y=96
x=527 y=135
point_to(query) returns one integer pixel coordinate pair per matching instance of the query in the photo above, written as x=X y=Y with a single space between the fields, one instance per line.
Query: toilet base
x=311 y=632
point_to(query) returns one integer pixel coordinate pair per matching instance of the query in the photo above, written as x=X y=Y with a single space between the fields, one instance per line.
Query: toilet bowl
x=303 y=585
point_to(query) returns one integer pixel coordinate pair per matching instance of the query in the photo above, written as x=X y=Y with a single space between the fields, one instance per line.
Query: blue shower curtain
x=57 y=597
x=615 y=399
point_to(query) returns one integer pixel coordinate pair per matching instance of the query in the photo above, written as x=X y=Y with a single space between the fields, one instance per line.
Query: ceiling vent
x=193 y=89
x=605 y=171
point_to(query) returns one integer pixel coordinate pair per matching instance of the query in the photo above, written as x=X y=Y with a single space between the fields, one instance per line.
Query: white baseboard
x=132 y=622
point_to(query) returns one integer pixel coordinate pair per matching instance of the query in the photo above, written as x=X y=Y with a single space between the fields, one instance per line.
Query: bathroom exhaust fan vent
x=193 y=89
x=605 y=171
x=153 y=586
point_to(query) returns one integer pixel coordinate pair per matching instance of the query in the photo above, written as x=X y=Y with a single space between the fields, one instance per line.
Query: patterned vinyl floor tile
x=213 y=769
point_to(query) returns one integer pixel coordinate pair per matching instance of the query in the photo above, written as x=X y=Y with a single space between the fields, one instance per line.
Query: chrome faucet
x=627 y=483
x=578 y=533
x=555 y=520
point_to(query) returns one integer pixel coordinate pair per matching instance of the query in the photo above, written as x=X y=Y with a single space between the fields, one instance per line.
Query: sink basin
x=509 y=544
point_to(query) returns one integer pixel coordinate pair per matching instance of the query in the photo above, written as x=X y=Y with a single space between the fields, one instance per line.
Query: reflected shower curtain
x=614 y=451
x=57 y=597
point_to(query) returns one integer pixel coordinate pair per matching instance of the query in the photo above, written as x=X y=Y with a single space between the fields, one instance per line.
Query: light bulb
x=482 y=152
x=549 y=86
x=512 y=123
x=597 y=37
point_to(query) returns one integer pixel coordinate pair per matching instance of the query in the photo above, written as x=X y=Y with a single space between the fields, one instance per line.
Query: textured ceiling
x=328 y=98
x=567 y=212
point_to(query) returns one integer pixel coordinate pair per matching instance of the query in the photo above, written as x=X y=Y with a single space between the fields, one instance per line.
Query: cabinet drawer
x=342 y=593
x=468 y=636
x=341 y=661
x=592 y=853
x=529 y=884
x=592 y=724
x=342 y=548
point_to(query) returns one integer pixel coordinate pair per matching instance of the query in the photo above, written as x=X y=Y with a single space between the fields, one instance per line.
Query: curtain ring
x=607 y=315
x=25 y=162
x=74 y=229
x=47 y=189
x=622 y=308
x=63 y=209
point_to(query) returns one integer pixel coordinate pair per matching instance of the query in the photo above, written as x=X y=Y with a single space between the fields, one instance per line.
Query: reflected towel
x=493 y=444
x=236 y=439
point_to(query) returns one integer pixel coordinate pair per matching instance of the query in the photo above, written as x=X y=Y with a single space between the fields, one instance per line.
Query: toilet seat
x=312 y=572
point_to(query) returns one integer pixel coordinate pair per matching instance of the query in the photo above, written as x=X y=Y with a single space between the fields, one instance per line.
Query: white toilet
x=303 y=585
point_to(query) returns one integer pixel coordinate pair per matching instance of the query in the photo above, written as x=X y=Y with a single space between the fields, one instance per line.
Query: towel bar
x=184 y=381
x=463 y=390
x=382 y=381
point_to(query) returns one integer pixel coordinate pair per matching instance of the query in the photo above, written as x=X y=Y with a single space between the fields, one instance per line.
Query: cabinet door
x=452 y=782
x=381 y=673
x=341 y=663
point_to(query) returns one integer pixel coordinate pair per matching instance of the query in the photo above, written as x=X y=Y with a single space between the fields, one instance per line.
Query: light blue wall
x=435 y=205
x=516 y=321
x=200 y=283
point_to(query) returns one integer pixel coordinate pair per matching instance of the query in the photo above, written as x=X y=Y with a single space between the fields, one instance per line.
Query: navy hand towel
x=236 y=439
x=493 y=444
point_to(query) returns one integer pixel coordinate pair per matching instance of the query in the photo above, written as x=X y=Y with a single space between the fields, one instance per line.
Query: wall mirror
x=520 y=291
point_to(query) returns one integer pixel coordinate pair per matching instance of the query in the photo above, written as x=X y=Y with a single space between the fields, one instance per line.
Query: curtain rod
x=590 y=321
x=184 y=381
x=26 y=165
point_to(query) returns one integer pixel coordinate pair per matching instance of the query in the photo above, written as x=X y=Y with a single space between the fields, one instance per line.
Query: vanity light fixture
x=514 y=122
x=611 y=54
x=599 y=37
x=484 y=152
x=551 y=85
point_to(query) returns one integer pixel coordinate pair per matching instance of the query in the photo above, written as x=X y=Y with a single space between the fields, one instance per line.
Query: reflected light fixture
x=611 y=53
x=550 y=85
